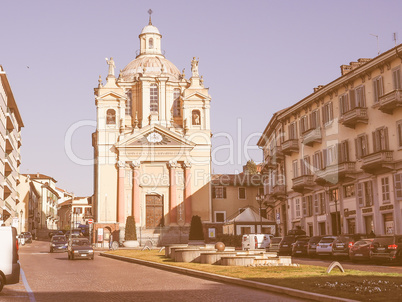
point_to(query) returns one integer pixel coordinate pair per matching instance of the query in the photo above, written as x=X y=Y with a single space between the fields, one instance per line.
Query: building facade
x=74 y=212
x=10 y=158
x=152 y=144
x=333 y=160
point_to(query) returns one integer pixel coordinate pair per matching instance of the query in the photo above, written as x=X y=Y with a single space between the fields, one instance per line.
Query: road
x=52 y=277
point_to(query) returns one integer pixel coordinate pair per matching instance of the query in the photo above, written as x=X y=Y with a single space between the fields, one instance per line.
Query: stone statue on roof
x=194 y=67
x=111 y=66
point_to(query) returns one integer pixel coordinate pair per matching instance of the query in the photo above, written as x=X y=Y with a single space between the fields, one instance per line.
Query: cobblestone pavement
x=52 y=277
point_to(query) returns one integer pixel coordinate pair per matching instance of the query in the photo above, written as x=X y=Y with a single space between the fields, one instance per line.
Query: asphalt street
x=52 y=277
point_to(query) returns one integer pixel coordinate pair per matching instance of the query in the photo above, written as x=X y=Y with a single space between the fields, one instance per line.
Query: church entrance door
x=154 y=211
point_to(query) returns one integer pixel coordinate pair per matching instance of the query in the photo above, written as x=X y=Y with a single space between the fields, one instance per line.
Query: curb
x=251 y=284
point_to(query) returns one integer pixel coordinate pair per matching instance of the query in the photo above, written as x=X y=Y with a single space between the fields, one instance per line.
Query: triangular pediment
x=111 y=95
x=155 y=136
x=196 y=96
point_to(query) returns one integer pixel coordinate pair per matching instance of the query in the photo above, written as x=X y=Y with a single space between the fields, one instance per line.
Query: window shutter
x=386 y=138
x=363 y=97
x=304 y=206
x=224 y=192
x=398 y=186
x=352 y=99
x=365 y=145
x=330 y=111
x=369 y=197
x=359 y=194
x=324 y=160
x=380 y=90
x=375 y=141
x=213 y=192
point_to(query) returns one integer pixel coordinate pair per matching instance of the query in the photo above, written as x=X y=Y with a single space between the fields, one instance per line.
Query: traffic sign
x=90 y=221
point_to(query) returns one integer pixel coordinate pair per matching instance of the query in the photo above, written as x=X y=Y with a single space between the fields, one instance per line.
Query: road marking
x=28 y=289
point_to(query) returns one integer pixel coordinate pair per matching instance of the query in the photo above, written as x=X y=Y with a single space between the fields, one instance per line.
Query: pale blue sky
x=257 y=57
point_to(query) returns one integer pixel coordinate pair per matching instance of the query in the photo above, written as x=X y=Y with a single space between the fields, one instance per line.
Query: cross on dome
x=150 y=13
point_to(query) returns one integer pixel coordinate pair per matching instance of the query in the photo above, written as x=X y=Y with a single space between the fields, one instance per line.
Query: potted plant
x=196 y=231
x=130 y=235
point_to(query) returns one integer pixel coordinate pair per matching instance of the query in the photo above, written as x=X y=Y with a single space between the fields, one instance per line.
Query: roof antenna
x=150 y=13
x=395 y=37
x=378 y=48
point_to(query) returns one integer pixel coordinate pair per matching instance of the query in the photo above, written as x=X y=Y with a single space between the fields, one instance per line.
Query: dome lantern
x=150 y=39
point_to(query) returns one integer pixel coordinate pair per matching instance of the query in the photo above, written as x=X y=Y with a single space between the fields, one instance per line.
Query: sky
x=257 y=57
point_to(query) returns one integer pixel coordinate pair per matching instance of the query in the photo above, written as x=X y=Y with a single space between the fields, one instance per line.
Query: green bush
x=131 y=233
x=229 y=240
x=196 y=230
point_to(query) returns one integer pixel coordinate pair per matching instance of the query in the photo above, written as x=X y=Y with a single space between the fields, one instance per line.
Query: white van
x=255 y=241
x=9 y=265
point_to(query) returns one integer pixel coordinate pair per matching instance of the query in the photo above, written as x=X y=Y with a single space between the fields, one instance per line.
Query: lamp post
x=335 y=198
x=260 y=199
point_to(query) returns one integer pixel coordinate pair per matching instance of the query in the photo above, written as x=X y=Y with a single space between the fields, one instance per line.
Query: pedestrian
x=110 y=241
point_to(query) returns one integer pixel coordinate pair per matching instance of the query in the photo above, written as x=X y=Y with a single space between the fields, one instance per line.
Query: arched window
x=151 y=43
x=110 y=117
x=196 y=117
x=176 y=102
x=154 y=98
x=129 y=102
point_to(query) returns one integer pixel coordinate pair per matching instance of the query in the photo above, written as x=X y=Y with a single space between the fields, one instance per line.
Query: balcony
x=378 y=162
x=10 y=121
x=353 y=117
x=10 y=143
x=290 y=146
x=312 y=136
x=279 y=192
x=336 y=173
x=390 y=101
x=303 y=183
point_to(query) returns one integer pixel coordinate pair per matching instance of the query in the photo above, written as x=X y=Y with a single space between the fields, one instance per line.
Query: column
x=136 y=201
x=172 y=193
x=187 y=192
x=120 y=191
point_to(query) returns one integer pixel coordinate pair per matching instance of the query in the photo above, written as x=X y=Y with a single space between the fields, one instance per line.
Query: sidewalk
x=251 y=284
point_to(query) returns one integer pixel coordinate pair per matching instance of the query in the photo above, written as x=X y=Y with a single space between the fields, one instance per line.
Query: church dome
x=150 y=29
x=153 y=67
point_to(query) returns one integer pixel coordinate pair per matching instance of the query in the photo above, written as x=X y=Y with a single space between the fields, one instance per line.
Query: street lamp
x=335 y=198
x=260 y=199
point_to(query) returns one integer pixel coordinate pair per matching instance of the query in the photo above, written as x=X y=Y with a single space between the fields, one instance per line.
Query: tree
x=196 y=230
x=130 y=233
x=251 y=167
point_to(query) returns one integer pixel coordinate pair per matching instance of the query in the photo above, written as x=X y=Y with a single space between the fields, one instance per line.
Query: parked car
x=55 y=232
x=343 y=243
x=285 y=247
x=274 y=244
x=58 y=243
x=27 y=236
x=324 y=247
x=80 y=248
x=387 y=249
x=9 y=265
x=21 y=239
x=360 y=250
x=312 y=245
x=300 y=246
x=255 y=241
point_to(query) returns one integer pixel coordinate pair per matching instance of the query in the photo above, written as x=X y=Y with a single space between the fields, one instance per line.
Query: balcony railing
x=312 y=136
x=279 y=191
x=12 y=145
x=390 y=101
x=290 y=146
x=353 y=117
x=333 y=174
x=303 y=183
x=378 y=162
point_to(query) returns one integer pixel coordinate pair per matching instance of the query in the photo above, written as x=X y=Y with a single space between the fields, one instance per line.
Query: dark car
x=27 y=236
x=285 y=247
x=361 y=250
x=343 y=243
x=55 y=232
x=274 y=244
x=80 y=248
x=300 y=247
x=58 y=243
x=312 y=245
x=387 y=249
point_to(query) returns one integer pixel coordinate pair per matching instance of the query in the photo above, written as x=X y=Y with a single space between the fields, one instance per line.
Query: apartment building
x=10 y=159
x=333 y=160
x=75 y=212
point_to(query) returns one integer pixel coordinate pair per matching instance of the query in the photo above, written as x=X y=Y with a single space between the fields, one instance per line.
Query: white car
x=324 y=247
x=9 y=265
x=255 y=241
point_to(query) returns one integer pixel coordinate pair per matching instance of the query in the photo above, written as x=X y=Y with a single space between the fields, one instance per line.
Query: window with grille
x=176 y=102
x=219 y=192
x=154 y=98
x=297 y=206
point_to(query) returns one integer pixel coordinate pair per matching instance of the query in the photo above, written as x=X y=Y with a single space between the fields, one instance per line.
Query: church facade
x=152 y=145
